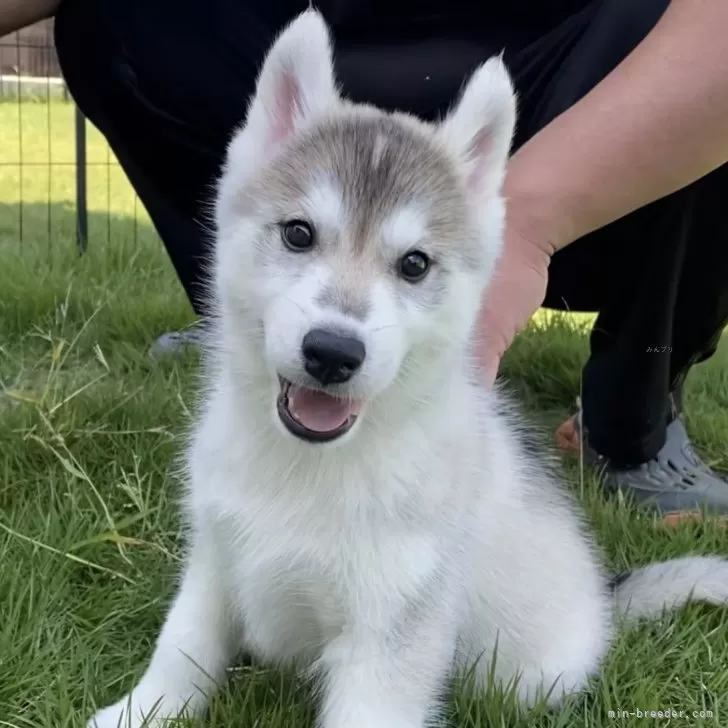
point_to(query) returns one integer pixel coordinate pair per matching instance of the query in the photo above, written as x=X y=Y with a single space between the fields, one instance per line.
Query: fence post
x=81 y=201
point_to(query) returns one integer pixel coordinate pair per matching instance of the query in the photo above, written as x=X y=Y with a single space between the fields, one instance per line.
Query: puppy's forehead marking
x=380 y=164
x=324 y=203
x=378 y=150
x=404 y=228
x=377 y=163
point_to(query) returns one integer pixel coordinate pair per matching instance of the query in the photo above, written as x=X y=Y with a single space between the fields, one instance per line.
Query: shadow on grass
x=125 y=279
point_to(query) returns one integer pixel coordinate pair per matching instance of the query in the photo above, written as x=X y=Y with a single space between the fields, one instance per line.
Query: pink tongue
x=319 y=411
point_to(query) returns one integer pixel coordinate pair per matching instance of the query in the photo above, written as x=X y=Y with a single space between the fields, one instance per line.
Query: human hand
x=516 y=291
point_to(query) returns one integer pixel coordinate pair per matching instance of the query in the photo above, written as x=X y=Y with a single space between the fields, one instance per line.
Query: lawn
x=90 y=427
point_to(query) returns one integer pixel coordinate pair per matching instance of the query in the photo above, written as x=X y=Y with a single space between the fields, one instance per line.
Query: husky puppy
x=358 y=504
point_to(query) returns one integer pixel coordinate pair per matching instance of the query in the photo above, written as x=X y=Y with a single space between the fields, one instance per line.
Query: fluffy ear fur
x=479 y=129
x=295 y=85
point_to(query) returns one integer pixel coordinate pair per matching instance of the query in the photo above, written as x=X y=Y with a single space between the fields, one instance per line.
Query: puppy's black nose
x=331 y=358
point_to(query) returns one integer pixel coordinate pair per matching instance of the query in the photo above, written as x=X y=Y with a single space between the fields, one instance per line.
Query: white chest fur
x=299 y=573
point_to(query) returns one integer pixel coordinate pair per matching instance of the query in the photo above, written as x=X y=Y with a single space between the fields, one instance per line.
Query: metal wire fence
x=59 y=180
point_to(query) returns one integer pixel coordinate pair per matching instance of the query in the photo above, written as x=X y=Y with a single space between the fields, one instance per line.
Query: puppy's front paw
x=116 y=716
x=131 y=712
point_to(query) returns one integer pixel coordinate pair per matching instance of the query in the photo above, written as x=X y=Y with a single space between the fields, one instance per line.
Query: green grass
x=89 y=428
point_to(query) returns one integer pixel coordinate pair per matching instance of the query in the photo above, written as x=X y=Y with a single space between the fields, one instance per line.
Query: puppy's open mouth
x=314 y=415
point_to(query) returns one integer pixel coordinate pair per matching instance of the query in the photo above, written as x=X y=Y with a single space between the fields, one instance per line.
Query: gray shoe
x=675 y=482
x=174 y=343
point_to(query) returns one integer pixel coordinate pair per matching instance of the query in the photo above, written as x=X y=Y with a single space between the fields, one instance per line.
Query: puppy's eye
x=414 y=266
x=297 y=235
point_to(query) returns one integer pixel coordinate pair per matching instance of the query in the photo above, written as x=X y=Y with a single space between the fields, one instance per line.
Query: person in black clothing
x=615 y=188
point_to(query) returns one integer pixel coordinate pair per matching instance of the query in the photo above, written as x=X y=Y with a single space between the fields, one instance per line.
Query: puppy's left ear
x=478 y=131
x=295 y=85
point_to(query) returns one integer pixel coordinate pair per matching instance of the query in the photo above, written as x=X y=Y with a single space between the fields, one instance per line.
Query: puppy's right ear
x=479 y=129
x=296 y=84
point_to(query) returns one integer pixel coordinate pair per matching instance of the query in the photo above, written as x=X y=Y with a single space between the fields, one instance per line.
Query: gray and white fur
x=404 y=551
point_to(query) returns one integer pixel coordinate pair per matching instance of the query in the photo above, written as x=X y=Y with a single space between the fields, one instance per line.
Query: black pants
x=167 y=81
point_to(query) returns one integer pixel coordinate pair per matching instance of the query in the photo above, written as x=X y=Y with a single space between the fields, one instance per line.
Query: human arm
x=655 y=124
